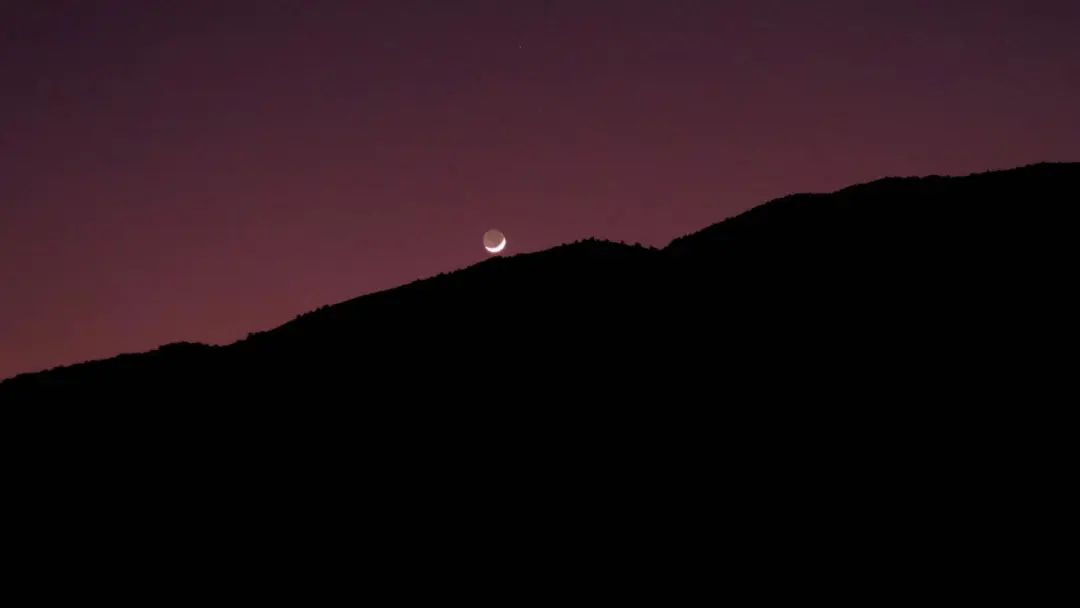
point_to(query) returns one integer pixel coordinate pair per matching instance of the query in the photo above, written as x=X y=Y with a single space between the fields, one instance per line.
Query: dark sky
x=193 y=170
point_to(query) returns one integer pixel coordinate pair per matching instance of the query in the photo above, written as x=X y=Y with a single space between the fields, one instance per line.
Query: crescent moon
x=498 y=247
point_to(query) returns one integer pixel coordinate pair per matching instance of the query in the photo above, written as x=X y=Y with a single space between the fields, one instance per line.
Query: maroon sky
x=193 y=170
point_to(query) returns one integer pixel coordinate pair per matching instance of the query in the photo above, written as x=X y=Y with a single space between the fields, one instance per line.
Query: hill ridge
x=886 y=233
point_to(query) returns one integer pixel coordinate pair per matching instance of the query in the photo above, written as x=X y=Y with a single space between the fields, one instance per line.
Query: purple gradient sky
x=194 y=170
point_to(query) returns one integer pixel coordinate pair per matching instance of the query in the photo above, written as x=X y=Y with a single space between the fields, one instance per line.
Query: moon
x=494 y=241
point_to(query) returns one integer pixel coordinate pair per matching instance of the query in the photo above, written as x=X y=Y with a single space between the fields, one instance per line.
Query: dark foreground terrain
x=824 y=378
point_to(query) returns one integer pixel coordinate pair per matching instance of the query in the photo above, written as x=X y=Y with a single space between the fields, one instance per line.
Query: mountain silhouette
x=821 y=289
x=850 y=378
